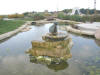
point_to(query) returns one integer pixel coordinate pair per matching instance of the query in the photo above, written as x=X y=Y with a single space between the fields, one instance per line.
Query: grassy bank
x=6 y=26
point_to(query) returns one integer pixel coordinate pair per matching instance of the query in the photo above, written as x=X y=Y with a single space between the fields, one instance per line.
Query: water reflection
x=97 y=42
x=52 y=54
x=53 y=66
x=58 y=67
x=85 y=56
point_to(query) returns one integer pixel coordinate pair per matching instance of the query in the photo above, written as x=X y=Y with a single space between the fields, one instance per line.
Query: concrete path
x=89 y=26
x=77 y=31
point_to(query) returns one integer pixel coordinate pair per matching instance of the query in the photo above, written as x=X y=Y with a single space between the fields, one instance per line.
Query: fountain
x=53 y=34
x=54 y=49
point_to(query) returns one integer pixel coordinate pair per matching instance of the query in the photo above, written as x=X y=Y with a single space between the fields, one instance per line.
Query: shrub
x=92 y=18
x=1 y=17
x=61 y=16
x=96 y=18
x=38 y=16
x=16 y=16
x=76 y=18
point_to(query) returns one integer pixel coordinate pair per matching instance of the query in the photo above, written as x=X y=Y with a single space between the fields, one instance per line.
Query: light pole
x=88 y=7
x=95 y=6
x=57 y=5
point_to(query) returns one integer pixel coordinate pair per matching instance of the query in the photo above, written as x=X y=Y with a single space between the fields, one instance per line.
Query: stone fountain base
x=48 y=52
x=56 y=37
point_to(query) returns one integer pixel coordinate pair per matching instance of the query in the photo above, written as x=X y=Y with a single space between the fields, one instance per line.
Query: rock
x=48 y=61
x=59 y=47
x=58 y=37
x=53 y=29
x=40 y=58
x=33 y=23
x=54 y=49
x=26 y=29
x=50 y=45
x=56 y=60
x=97 y=34
x=77 y=31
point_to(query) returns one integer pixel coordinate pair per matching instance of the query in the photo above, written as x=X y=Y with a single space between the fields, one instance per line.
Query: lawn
x=6 y=26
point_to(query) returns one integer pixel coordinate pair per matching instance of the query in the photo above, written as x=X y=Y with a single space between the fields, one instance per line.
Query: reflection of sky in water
x=85 y=47
x=19 y=65
x=14 y=61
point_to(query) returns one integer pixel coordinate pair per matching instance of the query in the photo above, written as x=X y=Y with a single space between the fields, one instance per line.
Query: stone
x=49 y=52
x=52 y=45
x=97 y=34
x=48 y=61
x=40 y=58
x=54 y=49
x=33 y=23
x=53 y=28
x=59 y=47
x=58 y=37
x=26 y=29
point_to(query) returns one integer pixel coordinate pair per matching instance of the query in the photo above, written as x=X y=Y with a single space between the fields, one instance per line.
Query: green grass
x=6 y=26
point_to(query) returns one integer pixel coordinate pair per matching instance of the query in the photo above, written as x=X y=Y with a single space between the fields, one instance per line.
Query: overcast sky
x=20 y=6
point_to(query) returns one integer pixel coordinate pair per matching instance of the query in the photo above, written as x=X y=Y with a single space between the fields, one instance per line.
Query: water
x=14 y=61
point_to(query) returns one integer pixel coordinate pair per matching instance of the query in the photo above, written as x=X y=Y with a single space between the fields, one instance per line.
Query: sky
x=20 y=6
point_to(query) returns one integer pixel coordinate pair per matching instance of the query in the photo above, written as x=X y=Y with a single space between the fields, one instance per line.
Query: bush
x=76 y=18
x=16 y=16
x=95 y=18
x=70 y=17
x=61 y=16
x=1 y=17
x=38 y=16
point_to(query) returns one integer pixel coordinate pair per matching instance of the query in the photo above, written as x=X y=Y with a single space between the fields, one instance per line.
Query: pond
x=14 y=61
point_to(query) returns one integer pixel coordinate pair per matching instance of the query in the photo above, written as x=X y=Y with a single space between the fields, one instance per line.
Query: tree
x=61 y=15
x=38 y=16
x=67 y=10
x=83 y=11
x=25 y=14
x=76 y=12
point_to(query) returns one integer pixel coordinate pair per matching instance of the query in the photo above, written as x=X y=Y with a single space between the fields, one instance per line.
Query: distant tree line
x=64 y=14
x=85 y=18
x=83 y=11
x=89 y=11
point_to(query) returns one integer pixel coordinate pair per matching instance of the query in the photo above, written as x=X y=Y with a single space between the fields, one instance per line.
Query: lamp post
x=95 y=7
x=57 y=5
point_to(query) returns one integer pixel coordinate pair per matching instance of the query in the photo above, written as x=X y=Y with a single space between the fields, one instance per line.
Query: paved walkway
x=89 y=26
x=77 y=31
